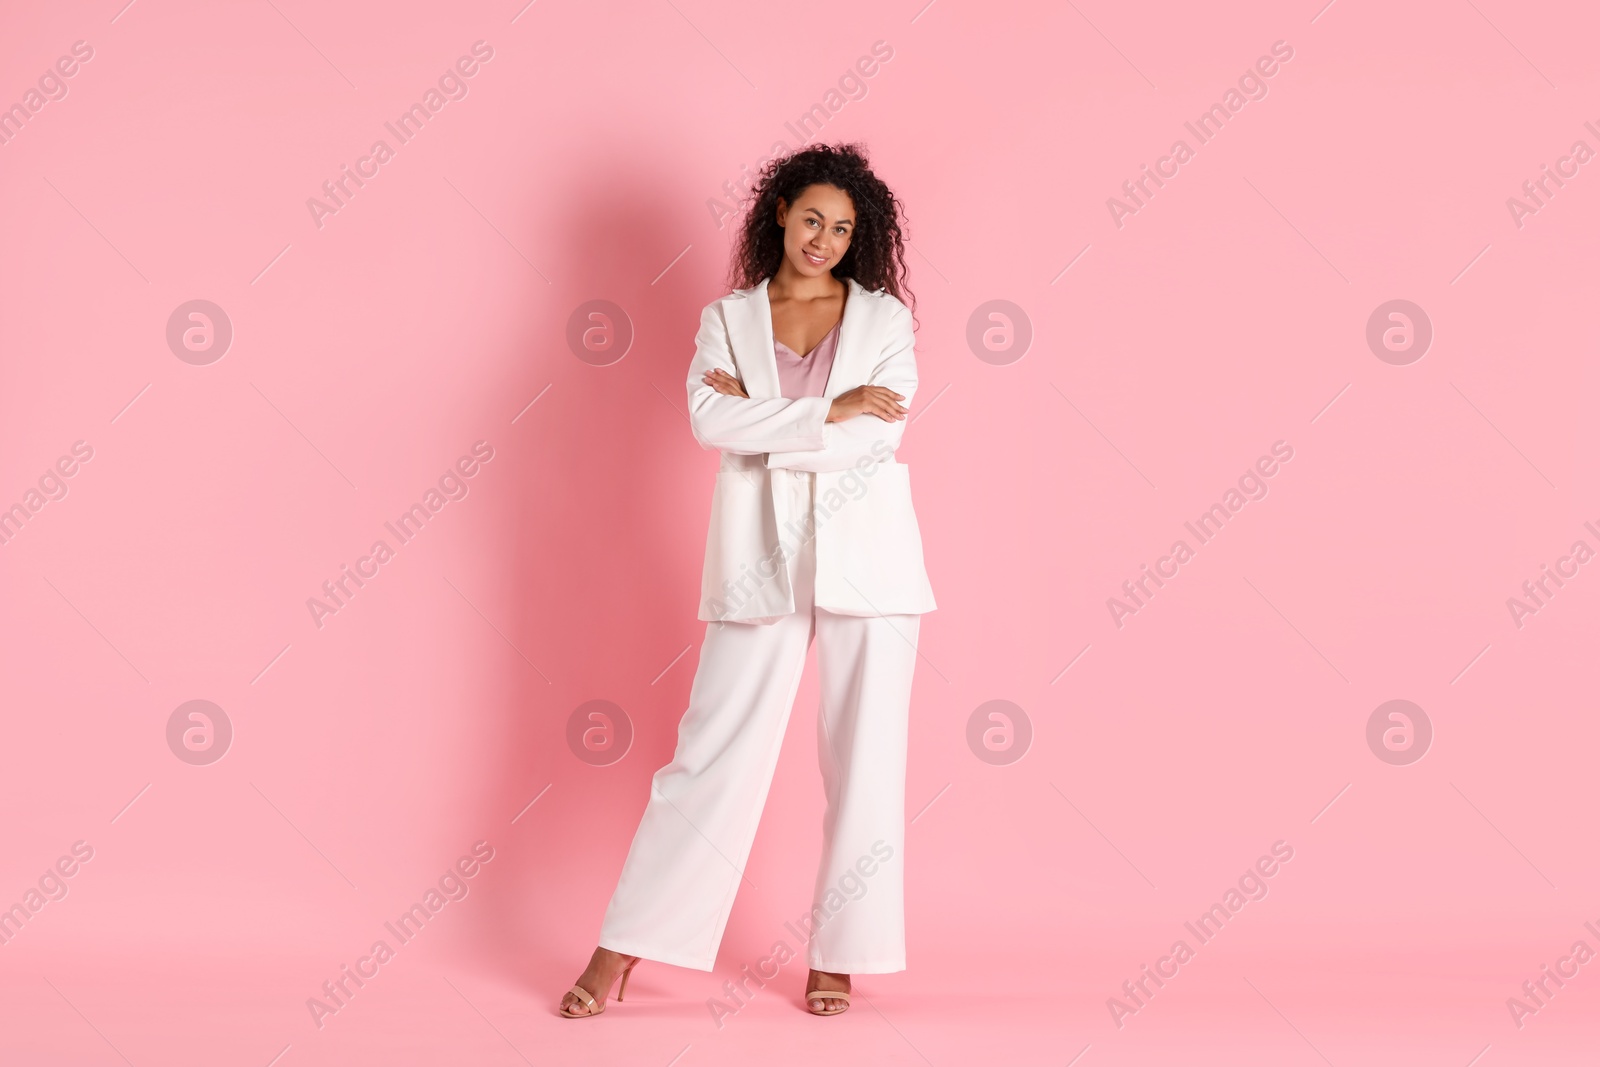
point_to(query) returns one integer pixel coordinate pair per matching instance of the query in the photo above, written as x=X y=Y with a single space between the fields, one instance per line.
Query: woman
x=802 y=379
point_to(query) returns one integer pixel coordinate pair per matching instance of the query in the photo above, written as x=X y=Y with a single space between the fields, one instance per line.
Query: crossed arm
x=809 y=433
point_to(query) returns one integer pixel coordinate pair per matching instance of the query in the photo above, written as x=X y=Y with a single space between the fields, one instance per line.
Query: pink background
x=1228 y=313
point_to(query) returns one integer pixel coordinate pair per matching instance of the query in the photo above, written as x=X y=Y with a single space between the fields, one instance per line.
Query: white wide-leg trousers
x=687 y=860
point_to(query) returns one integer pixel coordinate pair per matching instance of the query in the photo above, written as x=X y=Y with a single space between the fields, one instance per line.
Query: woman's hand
x=724 y=383
x=867 y=400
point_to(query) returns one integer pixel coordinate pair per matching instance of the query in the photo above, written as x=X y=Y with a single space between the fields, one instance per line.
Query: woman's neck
x=790 y=284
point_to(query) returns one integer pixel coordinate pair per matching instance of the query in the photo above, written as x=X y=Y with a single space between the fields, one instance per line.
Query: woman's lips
x=815 y=259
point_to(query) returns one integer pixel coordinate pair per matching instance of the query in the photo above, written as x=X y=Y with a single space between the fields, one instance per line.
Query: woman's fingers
x=887 y=409
x=724 y=383
x=882 y=403
x=868 y=400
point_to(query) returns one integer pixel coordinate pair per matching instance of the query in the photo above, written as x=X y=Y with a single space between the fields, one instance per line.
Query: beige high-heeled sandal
x=589 y=1001
x=826 y=994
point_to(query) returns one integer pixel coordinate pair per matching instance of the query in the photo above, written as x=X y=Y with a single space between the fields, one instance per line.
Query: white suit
x=869 y=549
x=812 y=536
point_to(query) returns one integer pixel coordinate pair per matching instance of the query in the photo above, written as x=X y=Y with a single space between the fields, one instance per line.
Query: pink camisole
x=806 y=375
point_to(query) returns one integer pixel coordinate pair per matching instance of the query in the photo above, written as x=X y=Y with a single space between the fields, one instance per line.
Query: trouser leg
x=687 y=859
x=688 y=856
x=865 y=666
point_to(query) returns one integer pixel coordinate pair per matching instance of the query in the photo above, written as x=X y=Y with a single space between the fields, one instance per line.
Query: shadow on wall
x=602 y=540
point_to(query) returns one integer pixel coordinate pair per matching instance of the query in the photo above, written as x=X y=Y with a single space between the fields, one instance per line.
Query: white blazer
x=868 y=546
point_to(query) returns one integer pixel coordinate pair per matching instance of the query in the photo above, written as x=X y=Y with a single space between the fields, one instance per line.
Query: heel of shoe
x=623 y=986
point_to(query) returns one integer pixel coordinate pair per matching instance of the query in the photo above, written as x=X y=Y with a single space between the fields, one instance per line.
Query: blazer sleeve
x=845 y=443
x=747 y=427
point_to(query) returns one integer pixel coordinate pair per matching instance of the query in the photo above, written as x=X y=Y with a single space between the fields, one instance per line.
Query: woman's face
x=817 y=228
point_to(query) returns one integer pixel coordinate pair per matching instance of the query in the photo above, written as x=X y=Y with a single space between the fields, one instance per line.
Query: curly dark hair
x=876 y=258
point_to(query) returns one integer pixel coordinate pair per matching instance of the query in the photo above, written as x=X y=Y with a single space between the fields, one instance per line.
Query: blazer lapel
x=751 y=335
